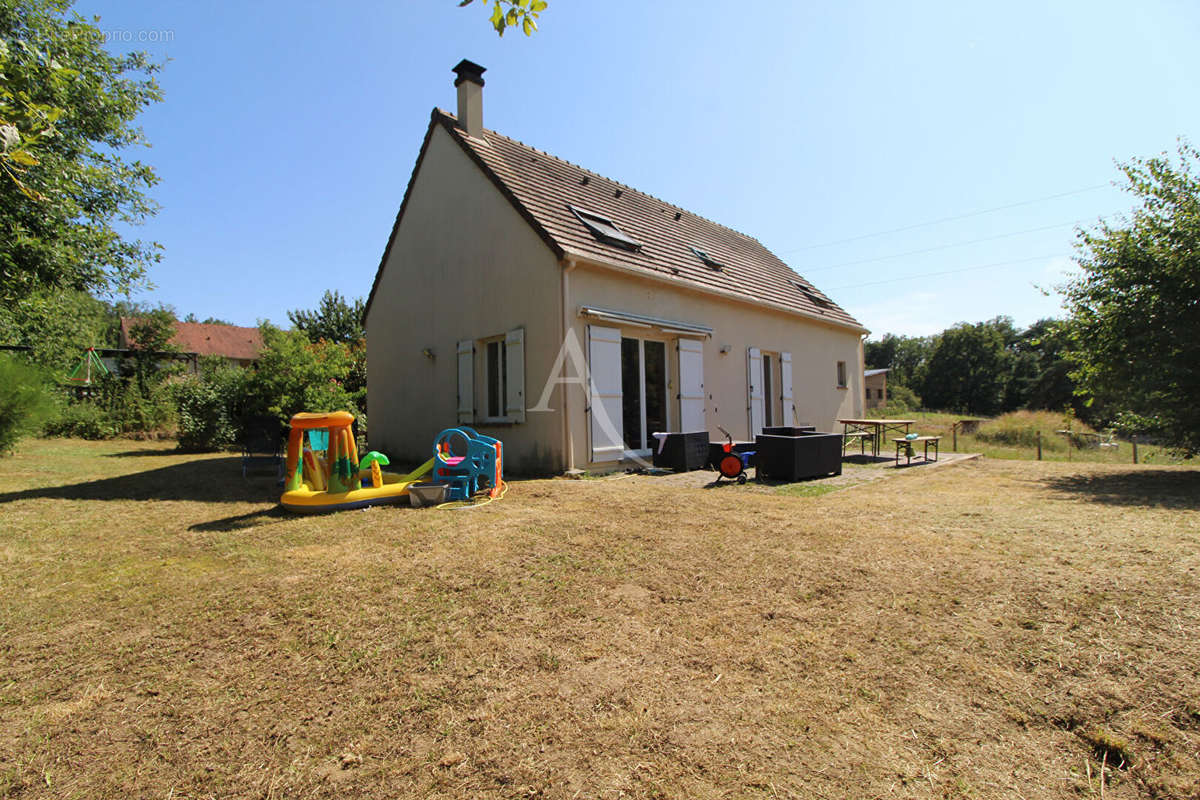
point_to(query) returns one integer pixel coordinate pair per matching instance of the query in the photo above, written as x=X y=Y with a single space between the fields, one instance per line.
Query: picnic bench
x=849 y=438
x=909 y=455
x=873 y=429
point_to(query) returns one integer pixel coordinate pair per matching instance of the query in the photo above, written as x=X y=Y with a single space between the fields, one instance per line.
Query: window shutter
x=754 y=390
x=785 y=378
x=466 y=381
x=514 y=349
x=691 y=386
x=604 y=393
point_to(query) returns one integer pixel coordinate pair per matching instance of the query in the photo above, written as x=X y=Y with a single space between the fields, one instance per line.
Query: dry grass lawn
x=988 y=629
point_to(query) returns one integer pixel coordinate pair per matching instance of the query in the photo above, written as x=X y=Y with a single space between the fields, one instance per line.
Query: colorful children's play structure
x=324 y=473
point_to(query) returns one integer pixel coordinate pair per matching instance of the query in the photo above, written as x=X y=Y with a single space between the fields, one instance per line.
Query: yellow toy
x=335 y=481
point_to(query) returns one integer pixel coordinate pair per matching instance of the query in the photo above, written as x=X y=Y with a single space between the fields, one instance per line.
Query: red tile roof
x=229 y=341
x=544 y=189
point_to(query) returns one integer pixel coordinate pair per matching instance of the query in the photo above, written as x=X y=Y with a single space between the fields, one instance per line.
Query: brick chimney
x=470 y=97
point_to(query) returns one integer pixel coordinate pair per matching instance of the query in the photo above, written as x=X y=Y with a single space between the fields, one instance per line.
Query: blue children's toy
x=466 y=462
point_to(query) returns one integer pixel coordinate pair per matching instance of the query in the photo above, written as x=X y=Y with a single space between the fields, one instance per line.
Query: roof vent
x=606 y=230
x=707 y=259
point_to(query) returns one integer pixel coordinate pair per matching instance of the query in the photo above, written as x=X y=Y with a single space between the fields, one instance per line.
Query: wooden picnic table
x=876 y=429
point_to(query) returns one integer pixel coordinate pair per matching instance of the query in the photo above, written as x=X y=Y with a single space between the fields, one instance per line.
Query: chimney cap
x=469 y=71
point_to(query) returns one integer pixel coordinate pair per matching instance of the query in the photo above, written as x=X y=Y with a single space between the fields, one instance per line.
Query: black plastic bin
x=682 y=452
x=784 y=430
x=794 y=458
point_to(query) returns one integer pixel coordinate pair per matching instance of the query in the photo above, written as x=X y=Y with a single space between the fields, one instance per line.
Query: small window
x=606 y=230
x=496 y=378
x=841 y=374
x=707 y=259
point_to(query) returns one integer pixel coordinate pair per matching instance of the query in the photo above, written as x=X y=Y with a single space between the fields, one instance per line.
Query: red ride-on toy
x=733 y=464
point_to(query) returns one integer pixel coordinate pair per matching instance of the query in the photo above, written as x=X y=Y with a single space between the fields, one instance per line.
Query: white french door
x=643 y=392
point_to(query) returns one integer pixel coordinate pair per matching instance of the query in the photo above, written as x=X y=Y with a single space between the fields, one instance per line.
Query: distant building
x=875 y=386
x=239 y=346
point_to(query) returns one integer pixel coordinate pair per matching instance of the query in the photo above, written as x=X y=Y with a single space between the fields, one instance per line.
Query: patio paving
x=856 y=470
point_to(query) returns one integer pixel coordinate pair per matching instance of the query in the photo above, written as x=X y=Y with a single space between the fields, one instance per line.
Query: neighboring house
x=239 y=346
x=510 y=272
x=875 y=386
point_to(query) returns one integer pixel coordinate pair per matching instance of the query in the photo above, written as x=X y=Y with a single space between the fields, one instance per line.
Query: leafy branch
x=513 y=13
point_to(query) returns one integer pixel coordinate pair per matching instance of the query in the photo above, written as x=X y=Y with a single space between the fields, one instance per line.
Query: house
x=875 y=387
x=239 y=346
x=572 y=316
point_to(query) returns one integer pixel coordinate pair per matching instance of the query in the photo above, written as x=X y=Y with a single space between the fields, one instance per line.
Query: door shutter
x=691 y=386
x=754 y=390
x=466 y=381
x=514 y=357
x=604 y=393
x=785 y=378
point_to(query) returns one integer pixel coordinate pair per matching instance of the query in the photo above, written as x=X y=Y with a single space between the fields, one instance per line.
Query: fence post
x=1134 y=439
x=954 y=430
x=1039 y=440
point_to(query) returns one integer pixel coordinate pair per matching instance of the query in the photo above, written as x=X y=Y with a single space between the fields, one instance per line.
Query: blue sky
x=831 y=132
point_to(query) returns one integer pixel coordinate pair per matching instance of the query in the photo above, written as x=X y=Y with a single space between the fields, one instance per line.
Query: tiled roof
x=544 y=188
x=229 y=341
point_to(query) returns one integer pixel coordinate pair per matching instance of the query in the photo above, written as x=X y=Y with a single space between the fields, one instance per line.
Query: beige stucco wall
x=815 y=347
x=875 y=384
x=464 y=265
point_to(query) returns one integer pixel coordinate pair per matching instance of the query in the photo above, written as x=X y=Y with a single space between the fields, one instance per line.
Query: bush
x=1020 y=429
x=82 y=419
x=204 y=422
x=210 y=405
x=24 y=402
x=902 y=398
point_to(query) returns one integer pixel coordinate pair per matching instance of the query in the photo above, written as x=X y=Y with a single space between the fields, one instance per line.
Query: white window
x=499 y=393
x=495 y=379
x=841 y=374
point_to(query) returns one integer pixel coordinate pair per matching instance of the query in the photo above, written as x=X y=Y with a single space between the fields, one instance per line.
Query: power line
x=946 y=246
x=948 y=219
x=950 y=271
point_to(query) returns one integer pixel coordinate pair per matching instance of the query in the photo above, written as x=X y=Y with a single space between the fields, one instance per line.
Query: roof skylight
x=606 y=230
x=706 y=258
x=812 y=295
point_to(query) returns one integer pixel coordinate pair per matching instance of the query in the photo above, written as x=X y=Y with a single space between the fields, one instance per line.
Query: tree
x=1134 y=327
x=513 y=13
x=905 y=356
x=67 y=108
x=149 y=337
x=334 y=320
x=294 y=374
x=968 y=369
x=1041 y=374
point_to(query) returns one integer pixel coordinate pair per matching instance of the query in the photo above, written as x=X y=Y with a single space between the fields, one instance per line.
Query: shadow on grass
x=253 y=519
x=1157 y=488
x=209 y=480
x=160 y=451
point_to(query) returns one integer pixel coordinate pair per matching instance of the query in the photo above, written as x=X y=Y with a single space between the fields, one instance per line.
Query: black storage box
x=682 y=452
x=794 y=458
x=784 y=430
